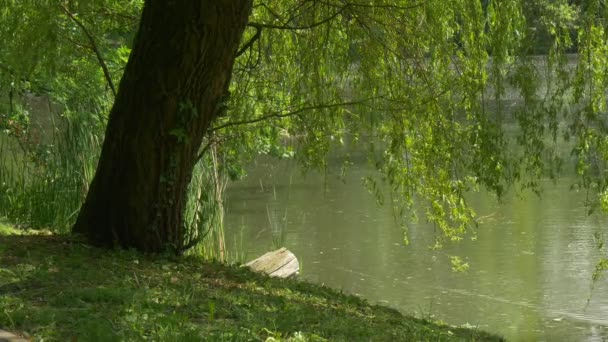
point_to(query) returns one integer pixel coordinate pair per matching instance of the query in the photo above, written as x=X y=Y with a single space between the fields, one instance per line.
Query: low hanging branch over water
x=279 y=115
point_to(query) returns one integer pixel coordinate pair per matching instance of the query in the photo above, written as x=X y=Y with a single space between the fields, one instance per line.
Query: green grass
x=5 y=229
x=58 y=289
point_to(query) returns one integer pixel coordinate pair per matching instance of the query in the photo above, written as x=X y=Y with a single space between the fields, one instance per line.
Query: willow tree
x=425 y=87
x=172 y=90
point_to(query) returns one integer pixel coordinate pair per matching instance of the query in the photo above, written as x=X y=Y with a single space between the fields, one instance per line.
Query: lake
x=530 y=266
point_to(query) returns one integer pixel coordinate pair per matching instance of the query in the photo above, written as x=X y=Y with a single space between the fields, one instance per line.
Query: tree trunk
x=173 y=88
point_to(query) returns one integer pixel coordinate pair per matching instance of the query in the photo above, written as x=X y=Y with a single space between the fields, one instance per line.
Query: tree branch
x=253 y=39
x=93 y=47
x=109 y=12
x=204 y=150
x=394 y=7
x=303 y=27
x=296 y=112
x=213 y=140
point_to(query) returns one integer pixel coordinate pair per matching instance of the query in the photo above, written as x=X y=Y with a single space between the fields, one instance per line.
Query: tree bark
x=173 y=88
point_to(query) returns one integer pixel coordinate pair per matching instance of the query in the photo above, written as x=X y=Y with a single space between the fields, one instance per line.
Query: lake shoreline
x=57 y=288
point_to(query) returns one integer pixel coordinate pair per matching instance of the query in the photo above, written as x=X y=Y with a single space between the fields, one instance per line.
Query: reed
x=43 y=185
x=204 y=215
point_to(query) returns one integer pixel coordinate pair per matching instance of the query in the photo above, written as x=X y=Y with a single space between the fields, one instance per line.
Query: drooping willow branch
x=302 y=27
x=340 y=9
x=295 y=112
x=93 y=47
x=259 y=26
x=387 y=6
x=277 y=115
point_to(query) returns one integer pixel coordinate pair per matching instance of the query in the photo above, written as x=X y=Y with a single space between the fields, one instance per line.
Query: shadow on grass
x=57 y=288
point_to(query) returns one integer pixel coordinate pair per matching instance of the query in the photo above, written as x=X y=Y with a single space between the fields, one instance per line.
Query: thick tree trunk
x=172 y=89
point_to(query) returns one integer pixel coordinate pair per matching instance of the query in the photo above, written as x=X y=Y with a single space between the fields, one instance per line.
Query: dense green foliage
x=431 y=90
x=48 y=57
x=58 y=289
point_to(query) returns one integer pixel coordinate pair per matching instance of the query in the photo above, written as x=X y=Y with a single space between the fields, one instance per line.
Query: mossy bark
x=171 y=91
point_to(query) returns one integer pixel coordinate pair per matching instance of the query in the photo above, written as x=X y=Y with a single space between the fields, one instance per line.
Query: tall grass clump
x=278 y=229
x=204 y=216
x=42 y=185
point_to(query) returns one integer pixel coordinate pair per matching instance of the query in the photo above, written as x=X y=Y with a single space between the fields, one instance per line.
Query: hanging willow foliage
x=431 y=90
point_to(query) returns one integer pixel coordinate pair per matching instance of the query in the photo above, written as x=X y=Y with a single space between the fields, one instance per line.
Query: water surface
x=530 y=266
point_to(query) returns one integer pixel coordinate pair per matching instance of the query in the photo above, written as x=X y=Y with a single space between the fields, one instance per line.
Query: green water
x=530 y=268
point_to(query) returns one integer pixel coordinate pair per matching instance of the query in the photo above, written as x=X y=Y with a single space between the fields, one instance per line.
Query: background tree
x=48 y=57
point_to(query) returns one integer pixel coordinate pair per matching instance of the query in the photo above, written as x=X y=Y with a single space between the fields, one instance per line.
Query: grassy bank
x=58 y=289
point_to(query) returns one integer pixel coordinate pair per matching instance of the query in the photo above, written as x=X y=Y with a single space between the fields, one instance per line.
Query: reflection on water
x=530 y=266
